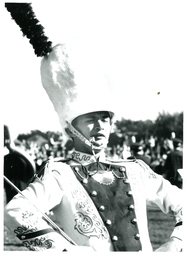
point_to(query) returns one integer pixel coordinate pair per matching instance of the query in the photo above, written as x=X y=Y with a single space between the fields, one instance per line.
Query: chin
x=102 y=141
x=97 y=152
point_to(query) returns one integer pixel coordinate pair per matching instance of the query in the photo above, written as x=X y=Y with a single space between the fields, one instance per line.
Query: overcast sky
x=142 y=49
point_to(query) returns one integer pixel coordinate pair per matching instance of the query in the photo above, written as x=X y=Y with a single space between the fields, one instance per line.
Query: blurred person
x=116 y=144
x=147 y=151
x=99 y=203
x=173 y=163
x=133 y=139
x=158 y=162
x=152 y=142
x=126 y=151
x=138 y=152
x=19 y=167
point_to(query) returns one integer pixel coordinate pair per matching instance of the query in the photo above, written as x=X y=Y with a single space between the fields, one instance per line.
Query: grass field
x=160 y=228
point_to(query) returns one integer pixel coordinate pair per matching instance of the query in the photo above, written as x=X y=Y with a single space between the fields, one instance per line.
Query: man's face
x=94 y=126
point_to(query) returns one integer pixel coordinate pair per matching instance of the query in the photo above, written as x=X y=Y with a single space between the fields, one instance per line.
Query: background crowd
x=25 y=156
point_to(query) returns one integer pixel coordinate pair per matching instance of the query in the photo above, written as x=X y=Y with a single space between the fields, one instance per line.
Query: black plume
x=24 y=16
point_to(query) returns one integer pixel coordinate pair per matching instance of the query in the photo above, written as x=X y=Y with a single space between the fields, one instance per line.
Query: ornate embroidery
x=26 y=215
x=80 y=157
x=30 y=224
x=82 y=204
x=146 y=168
x=83 y=223
x=87 y=222
x=24 y=230
x=30 y=218
x=38 y=244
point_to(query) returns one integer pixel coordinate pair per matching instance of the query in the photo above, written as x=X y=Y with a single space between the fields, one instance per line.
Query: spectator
x=138 y=152
x=174 y=161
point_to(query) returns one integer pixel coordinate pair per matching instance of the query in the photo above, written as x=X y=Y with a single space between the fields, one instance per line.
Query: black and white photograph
x=93 y=105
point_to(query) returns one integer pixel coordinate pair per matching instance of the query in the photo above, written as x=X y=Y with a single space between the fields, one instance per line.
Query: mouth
x=95 y=139
x=98 y=136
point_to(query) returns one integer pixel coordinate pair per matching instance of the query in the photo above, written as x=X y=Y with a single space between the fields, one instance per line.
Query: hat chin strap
x=91 y=143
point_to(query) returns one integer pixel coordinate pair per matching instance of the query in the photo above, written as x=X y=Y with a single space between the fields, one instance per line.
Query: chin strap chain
x=89 y=143
x=78 y=134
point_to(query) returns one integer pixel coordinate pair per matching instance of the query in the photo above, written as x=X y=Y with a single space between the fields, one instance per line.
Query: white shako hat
x=74 y=84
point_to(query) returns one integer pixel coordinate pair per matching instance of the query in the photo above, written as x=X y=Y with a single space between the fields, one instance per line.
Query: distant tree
x=51 y=136
x=167 y=123
x=162 y=127
x=140 y=128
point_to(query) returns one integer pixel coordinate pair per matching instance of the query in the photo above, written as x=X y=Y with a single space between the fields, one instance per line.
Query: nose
x=98 y=125
x=99 y=128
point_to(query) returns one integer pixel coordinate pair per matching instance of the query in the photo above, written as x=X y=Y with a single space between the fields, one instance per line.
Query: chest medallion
x=104 y=177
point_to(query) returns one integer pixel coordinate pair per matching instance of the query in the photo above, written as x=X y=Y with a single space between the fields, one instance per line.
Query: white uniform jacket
x=91 y=217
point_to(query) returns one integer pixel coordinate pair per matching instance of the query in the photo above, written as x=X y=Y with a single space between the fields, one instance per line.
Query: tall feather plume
x=57 y=76
x=64 y=77
x=25 y=18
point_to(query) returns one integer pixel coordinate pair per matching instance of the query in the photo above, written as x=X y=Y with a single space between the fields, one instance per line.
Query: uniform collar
x=84 y=158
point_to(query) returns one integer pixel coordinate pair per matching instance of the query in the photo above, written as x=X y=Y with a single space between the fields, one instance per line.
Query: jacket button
x=108 y=222
x=114 y=238
x=126 y=181
x=134 y=221
x=94 y=193
x=76 y=169
x=22 y=237
x=137 y=236
x=102 y=208
x=131 y=207
x=129 y=193
x=85 y=181
x=122 y=169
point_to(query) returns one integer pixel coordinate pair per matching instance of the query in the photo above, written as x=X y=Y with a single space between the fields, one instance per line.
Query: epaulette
x=147 y=169
x=120 y=161
x=45 y=166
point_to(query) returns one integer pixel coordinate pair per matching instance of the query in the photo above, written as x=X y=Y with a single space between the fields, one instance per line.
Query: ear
x=111 y=126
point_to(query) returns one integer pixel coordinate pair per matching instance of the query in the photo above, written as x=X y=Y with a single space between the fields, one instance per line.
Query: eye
x=89 y=120
x=105 y=119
